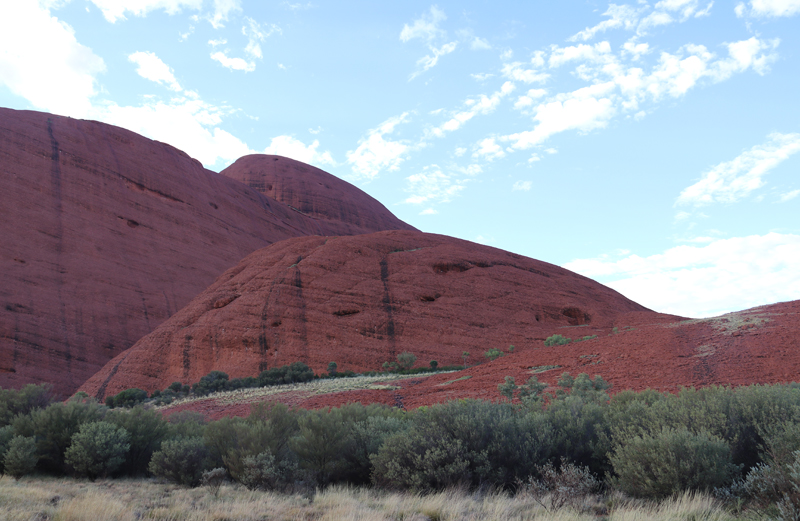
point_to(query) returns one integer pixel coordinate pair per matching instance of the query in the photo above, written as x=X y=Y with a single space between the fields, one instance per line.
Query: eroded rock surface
x=359 y=301
x=105 y=234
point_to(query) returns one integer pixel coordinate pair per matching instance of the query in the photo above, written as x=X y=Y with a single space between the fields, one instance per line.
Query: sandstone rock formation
x=338 y=207
x=105 y=234
x=359 y=301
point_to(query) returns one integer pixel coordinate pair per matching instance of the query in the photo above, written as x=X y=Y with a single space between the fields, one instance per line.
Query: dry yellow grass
x=50 y=499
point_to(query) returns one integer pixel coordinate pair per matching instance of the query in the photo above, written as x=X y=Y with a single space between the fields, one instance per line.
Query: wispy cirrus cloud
x=426 y=28
x=733 y=180
x=768 y=8
x=292 y=147
x=151 y=67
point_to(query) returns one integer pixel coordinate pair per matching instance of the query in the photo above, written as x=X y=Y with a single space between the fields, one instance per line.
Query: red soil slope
x=105 y=234
x=359 y=301
x=339 y=207
x=755 y=346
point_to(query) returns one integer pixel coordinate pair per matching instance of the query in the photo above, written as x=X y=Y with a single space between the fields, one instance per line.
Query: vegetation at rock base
x=741 y=445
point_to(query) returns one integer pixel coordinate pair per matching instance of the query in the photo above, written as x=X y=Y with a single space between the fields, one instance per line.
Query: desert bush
x=181 y=460
x=405 y=360
x=20 y=457
x=213 y=382
x=465 y=442
x=127 y=398
x=147 y=429
x=14 y=402
x=671 y=462
x=568 y=484
x=213 y=479
x=332 y=368
x=98 y=449
x=54 y=426
x=556 y=340
x=434 y=364
x=185 y=424
x=319 y=444
x=6 y=435
x=493 y=353
x=296 y=372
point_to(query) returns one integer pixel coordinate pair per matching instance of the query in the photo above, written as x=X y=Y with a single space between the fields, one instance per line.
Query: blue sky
x=652 y=146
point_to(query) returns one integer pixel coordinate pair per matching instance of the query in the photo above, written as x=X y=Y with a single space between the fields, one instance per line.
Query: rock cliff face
x=359 y=301
x=105 y=234
x=338 y=207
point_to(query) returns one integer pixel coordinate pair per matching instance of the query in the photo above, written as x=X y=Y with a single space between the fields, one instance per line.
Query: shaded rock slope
x=359 y=301
x=105 y=234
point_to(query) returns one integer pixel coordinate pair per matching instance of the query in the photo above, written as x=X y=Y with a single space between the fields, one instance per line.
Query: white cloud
x=429 y=61
x=214 y=43
x=789 y=196
x=257 y=33
x=479 y=44
x=42 y=61
x=114 y=10
x=460 y=151
x=234 y=64
x=574 y=111
x=150 y=67
x=432 y=185
x=426 y=27
x=483 y=76
x=428 y=211
x=488 y=149
x=522 y=186
x=480 y=105
x=619 y=16
x=582 y=52
x=733 y=180
x=222 y=10
x=697 y=281
x=186 y=123
x=375 y=153
x=516 y=72
x=528 y=99
x=289 y=146
x=776 y=8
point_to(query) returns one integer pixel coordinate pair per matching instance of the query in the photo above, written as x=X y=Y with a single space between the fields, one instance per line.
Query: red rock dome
x=359 y=301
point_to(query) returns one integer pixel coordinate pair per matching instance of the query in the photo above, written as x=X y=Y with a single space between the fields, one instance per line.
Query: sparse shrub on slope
x=127 y=398
x=98 y=449
x=23 y=401
x=556 y=340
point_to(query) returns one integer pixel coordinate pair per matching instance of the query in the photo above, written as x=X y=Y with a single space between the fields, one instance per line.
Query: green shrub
x=493 y=353
x=556 y=340
x=671 y=462
x=185 y=424
x=332 y=368
x=20 y=458
x=147 y=429
x=53 y=428
x=406 y=360
x=319 y=444
x=6 y=435
x=434 y=364
x=465 y=442
x=297 y=372
x=98 y=449
x=127 y=398
x=23 y=401
x=213 y=382
x=181 y=461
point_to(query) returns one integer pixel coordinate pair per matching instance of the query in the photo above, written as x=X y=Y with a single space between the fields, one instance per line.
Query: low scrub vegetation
x=740 y=445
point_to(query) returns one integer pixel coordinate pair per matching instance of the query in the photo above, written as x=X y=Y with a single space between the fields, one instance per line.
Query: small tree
x=465 y=355
x=508 y=388
x=332 y=367
x=98 y=449
x=406 y=360
x=21 y=457
x=127 y=398
x=434 y=364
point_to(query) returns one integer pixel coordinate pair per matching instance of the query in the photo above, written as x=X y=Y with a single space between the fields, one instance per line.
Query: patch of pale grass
x=687 y=506
x=123 y=500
